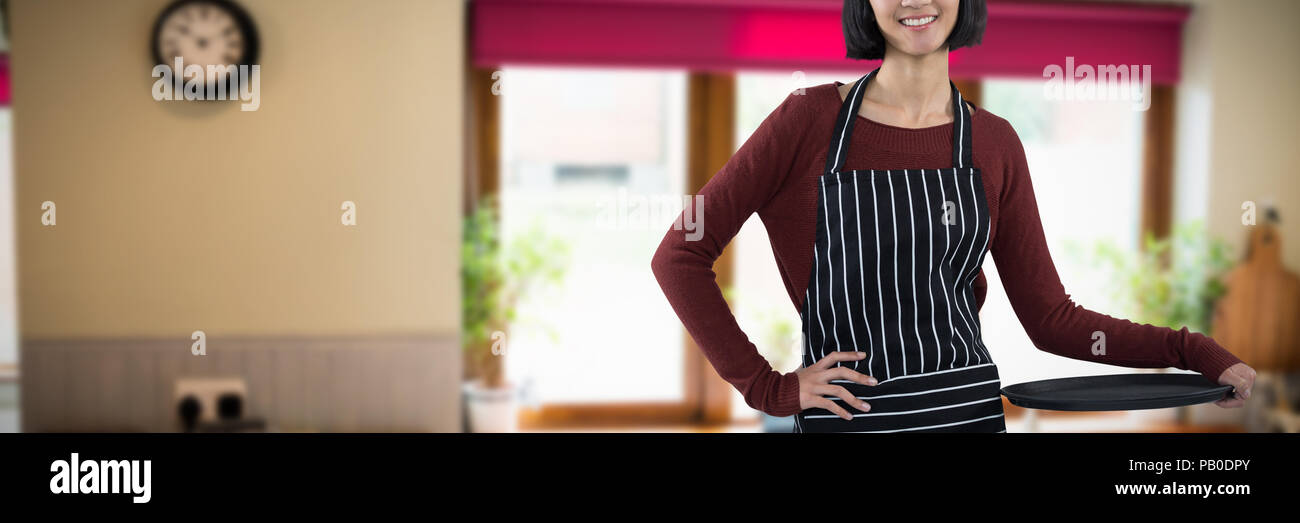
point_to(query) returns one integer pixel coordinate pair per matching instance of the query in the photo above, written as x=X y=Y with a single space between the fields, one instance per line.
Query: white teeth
x=918 y=21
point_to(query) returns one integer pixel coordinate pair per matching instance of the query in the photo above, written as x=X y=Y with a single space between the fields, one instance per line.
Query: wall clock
x=203 y=33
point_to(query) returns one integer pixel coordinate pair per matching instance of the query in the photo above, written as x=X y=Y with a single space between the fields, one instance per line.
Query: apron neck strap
x=840 y=140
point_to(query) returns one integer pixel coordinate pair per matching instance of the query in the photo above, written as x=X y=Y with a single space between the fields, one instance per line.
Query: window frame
x=710 y=143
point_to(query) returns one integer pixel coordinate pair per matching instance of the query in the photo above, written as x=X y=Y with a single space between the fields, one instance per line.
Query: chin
x=920 y=50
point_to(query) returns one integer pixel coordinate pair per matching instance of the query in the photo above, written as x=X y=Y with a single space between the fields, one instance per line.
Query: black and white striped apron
x=895 y=260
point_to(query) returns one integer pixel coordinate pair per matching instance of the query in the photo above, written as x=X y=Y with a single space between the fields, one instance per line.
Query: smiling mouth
x=918 y=22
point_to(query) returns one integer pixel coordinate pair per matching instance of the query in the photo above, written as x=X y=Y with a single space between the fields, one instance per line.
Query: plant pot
x=492 y=409
x=773 y=424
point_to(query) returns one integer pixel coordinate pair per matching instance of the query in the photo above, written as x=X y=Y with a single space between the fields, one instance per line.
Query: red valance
x=1022 y=38
x=4 y=79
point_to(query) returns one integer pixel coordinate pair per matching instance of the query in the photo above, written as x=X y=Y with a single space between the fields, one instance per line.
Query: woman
x=880 y=236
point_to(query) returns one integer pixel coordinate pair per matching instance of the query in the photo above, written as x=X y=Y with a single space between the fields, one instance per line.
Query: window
x=1085 y=159
x=8 y=294
x=759 y=300
x=585 y=156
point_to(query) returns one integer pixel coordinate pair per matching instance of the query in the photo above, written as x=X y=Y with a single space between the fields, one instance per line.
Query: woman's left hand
x=1242 y=378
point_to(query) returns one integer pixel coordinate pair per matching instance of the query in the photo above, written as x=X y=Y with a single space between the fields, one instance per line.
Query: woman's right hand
x=815 y=382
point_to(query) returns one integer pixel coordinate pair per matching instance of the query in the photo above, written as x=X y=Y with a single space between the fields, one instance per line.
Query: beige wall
x=1243 y=70
x=1237 y=137
x=182 y=216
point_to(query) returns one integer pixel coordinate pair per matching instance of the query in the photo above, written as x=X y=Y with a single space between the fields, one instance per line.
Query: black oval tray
x=1116 y=392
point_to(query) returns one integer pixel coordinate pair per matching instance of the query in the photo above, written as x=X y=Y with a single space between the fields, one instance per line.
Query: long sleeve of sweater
x=1052 y=320
x=684 y=266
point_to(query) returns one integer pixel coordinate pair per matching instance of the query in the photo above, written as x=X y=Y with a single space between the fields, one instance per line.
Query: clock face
x=204 y=33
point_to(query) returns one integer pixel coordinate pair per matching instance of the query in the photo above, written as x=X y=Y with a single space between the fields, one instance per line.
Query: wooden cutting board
x=1258 y=318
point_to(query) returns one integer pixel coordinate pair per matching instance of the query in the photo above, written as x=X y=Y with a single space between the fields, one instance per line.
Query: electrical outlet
x=205 y=393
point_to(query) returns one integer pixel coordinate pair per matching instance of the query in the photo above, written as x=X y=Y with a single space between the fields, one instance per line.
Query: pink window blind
x=1021 y=39
x=4 y=79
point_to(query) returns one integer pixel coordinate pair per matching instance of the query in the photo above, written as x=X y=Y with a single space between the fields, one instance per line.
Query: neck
x=915 y=86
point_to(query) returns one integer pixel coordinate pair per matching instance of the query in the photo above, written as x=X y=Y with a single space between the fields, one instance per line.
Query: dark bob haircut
x=863 y=40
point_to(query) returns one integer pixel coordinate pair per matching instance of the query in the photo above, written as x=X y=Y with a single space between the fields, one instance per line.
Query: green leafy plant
x=780 y=338
x=495 y=275
x=1172 y=282
x=779 y=334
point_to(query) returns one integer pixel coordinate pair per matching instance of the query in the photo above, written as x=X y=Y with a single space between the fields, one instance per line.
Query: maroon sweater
x=774 y=173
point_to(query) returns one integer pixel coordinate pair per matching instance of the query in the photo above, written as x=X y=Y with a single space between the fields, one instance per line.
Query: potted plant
x=1172 y=282
x=495 y=274
x=783 y=350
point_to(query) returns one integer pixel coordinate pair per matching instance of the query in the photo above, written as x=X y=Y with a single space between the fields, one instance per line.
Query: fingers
x=1237 y=397
x=1241 y=393
x=817 y=383
x=1241 y=377
x=835 y=357
x=843 y=394
x=1248 y=381
x=1239 y=383
x=831 y=406
x=844 y=373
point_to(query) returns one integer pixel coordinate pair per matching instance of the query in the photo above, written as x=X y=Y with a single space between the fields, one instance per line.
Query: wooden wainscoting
x=359 y=384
